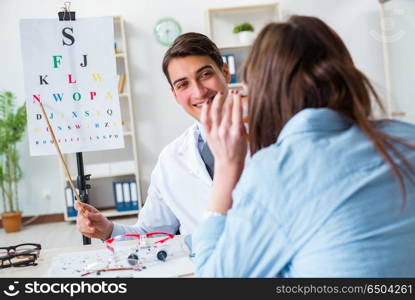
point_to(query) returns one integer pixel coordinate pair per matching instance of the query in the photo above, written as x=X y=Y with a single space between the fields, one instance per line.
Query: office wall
x=159 y=119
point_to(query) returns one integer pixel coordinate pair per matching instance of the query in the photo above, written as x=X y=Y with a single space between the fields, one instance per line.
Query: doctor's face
x=195 y=80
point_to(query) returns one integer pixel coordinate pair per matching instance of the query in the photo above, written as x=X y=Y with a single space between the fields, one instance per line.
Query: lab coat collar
x=190 y=153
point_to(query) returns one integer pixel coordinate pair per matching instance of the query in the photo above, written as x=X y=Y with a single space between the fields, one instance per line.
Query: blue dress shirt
x=201 y=138
x=320 y=202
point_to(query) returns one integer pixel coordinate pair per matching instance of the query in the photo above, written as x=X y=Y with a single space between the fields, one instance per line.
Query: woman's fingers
x=220 y=116
x=216 y=109
x=205 y=117
x=244 y=104
x=226 y=115
x=237 y=111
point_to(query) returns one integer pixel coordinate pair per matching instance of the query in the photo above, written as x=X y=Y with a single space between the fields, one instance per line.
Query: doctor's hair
x=303 y=63
x=191 y=43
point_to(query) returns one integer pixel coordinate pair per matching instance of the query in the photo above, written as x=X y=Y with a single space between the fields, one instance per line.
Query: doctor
x=182 y=178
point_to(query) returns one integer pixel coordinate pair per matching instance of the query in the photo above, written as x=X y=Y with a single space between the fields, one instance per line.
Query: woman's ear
x=225 y=71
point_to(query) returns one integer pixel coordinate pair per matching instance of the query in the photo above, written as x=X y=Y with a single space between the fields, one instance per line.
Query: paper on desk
x=74 y=264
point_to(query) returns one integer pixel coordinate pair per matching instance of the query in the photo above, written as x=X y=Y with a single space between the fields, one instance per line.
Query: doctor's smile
x=196 y=80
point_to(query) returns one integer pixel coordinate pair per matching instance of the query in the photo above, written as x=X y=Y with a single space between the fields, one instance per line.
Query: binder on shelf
x=134 y=195
x=118 y=196
x=229 y=59
x=232 y=67
x=125 y=195
x=225 y=61
x=70 y=202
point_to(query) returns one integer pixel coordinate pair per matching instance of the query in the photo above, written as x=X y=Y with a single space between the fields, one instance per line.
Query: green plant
x=243 y=27
x=12 y=127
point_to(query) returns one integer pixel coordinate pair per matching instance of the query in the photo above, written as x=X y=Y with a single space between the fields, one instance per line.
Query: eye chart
x=70 y=67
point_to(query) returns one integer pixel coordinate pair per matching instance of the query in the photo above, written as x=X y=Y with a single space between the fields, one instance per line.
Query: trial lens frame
x=109 y=241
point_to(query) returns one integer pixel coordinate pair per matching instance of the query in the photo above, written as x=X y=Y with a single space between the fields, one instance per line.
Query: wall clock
x=167 y=30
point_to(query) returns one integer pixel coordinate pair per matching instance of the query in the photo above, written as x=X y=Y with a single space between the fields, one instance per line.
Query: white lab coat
x=179 y=190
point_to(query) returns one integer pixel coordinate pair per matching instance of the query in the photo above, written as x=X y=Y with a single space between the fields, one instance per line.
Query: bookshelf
x=119 y=165
x=220 y=22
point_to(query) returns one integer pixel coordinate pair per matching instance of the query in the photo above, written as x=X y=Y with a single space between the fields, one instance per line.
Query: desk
x=47 y=255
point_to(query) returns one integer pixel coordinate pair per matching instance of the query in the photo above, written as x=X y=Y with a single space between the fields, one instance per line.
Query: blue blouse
x=320 y=202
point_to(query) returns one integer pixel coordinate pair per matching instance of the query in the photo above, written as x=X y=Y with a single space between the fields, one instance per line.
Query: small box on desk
x=125 y=195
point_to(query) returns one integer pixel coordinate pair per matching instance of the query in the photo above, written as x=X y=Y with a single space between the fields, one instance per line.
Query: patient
x=329 y=192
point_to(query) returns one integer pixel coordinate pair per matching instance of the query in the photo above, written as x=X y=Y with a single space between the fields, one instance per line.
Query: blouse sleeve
x=248 y=242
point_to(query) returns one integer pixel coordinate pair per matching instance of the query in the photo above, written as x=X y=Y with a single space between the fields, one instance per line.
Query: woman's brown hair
x=303 y=63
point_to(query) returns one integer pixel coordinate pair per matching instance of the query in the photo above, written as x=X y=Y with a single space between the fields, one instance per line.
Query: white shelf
x=128 y=133
x=105 y=170
x=269 y=5
x=122 y=55
x=116 y=213
x=124 y=95
x=100 y=176
x=110 y=213
x=235 y=85
x=235 y=46
x=221 y=21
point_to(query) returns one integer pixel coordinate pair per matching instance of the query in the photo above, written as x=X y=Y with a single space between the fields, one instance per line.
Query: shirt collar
x=200 y=130
x=314 y=119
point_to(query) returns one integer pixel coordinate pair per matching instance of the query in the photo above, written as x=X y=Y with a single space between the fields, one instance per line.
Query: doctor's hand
x=92 y=223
